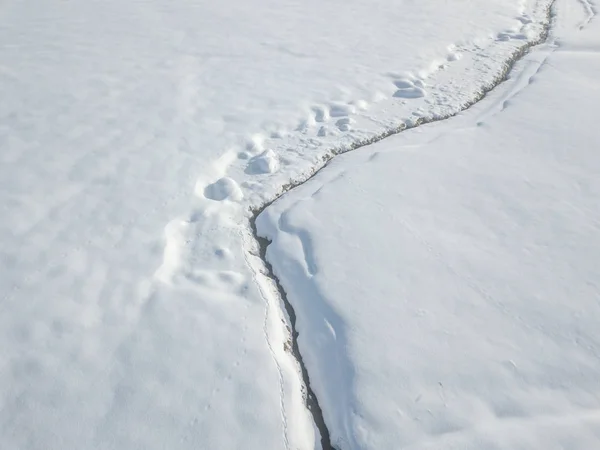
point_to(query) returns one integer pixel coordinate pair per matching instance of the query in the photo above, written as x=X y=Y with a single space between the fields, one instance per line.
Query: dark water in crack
x=312 y=403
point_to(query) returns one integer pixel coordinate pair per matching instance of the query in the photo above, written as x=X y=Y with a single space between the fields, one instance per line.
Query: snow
x=135 y=139
x=223 y=189
x=446 y=280
x=266 y=162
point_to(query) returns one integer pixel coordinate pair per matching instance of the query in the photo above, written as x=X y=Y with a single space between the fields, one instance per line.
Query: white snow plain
x=446 y=280
x=135 y=137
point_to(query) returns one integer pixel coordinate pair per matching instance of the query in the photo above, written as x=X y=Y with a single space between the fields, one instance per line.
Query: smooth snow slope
x=134 y=137
x=446 y=281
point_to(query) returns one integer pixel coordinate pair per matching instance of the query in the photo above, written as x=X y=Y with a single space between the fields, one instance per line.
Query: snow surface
x=446 y=280
x=135 y=137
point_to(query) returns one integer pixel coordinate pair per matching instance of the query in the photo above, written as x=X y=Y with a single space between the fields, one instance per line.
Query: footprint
x=322 y=132
x=195 y=215
x=266 y=162
x=507 y=36
x=278 y=134
x=410 y=93
x=223 y=253
x=306 y=124
x=404 y=84
x=223 y=189
x=321 y=114
x=454 y=53
x=341 y=110
x=409 y=90
x=525 y=19
x=345 y=124
x=325 y=131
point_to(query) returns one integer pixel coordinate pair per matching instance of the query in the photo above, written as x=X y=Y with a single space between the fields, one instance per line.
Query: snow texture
x=446 y=280
x=135 y=139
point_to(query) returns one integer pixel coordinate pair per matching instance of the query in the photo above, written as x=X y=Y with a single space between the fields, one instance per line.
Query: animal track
x=507 y=36
x=266 y=162
x=278 y=134
x=525 y=19
x=341 y=110
x=325 y=131
x=321 y=114
x=223 y=253
x=409 y=89
x=526 y=30
x=345 y=124
x=224 y=189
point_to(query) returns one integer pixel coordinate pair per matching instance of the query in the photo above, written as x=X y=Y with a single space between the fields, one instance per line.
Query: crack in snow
x=311 y=400
x=222 y=201
x=269 y=344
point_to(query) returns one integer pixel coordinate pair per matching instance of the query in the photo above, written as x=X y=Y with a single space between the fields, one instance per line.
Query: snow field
x=136 y=137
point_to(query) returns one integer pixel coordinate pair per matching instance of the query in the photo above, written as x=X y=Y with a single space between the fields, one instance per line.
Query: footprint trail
x=212 y=247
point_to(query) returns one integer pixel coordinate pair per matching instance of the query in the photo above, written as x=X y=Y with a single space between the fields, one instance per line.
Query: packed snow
x=446 y=280
x=136 y=138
